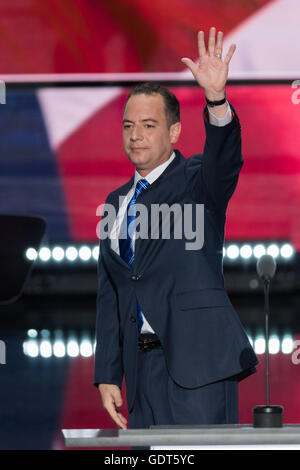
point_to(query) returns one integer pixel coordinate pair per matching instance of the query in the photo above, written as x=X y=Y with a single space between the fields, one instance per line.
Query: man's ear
x=175 y=130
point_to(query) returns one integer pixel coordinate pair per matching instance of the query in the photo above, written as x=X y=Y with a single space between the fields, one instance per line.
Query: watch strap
x=212 y=104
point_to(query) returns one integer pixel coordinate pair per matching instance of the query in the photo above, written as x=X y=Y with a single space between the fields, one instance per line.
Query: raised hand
x=211 y=71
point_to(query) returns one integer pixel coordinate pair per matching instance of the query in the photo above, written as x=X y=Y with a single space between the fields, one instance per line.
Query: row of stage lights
x=71 y=253
x=86 y=253
x=41 y=345
x=247 y=251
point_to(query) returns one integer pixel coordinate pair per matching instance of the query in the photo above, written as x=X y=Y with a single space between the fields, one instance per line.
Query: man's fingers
x=111 y=400
x=219 y=44
x=211 y=41
x=190 y=64
x=117 y=402
x=214 y=47
x=201 y=44
x=117 y=397
x=118 y=418
x=122 y=419
x=230 y=53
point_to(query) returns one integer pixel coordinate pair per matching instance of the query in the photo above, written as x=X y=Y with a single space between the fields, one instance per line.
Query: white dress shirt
x=151 y=177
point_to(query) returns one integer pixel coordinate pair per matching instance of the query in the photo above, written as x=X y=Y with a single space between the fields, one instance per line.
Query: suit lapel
x=169 y=178
x=157 y=193
x=115 y=199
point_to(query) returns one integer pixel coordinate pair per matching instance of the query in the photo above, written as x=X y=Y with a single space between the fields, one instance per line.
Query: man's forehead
x=144 y=106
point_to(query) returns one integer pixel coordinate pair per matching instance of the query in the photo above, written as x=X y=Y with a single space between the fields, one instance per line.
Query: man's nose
x=136 y=133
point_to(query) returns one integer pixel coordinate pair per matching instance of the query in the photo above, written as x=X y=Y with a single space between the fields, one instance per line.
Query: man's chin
x=137 y=160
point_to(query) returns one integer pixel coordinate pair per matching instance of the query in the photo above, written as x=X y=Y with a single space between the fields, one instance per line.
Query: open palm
x=211 y=71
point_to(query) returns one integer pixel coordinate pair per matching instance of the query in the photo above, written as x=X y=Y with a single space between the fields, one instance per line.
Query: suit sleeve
x=220 y=164
x=108 y=353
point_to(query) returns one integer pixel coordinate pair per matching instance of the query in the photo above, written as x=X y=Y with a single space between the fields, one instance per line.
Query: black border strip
x=131 y=83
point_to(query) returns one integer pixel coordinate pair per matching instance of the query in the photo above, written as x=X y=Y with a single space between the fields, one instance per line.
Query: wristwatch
x=212 y=104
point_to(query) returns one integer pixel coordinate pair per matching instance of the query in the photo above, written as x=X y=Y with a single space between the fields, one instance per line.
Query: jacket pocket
x=201 y=298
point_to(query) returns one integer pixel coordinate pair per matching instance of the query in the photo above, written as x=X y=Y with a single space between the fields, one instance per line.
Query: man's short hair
x=172 y=107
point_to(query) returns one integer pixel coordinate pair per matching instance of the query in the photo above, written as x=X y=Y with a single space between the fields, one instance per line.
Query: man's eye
x=126 y=126
x=149 y=125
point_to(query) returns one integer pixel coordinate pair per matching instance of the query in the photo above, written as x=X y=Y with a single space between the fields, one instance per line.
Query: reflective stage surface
x=47 y=385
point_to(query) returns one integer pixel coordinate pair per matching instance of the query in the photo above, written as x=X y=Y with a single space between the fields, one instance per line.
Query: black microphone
x=267 y=416
x=266 y=267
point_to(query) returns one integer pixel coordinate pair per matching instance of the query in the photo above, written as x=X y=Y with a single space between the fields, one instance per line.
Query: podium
x=218 y=437
x=18 y=232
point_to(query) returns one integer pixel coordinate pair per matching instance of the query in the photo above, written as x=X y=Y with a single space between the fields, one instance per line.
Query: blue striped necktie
x=126 y=244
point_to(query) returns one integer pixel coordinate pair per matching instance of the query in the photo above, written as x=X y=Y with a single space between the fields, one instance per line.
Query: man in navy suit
x=164 y=319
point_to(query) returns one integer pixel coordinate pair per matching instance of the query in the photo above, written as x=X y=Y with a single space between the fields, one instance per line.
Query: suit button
x=136 y=277
x=133 y=319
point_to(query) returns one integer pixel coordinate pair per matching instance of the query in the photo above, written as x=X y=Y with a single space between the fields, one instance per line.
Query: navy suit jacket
x=181 y=292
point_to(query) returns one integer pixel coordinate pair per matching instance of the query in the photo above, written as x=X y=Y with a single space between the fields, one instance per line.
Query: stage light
x=273 y=250
x=259 y=250
x=31 y=254
x=85 y=253
x=86 y=349
x=274 y=344
x=232 y=251
x=59 y=349
x=45 y=333
x=96 y=253
x=45 y=349
x=58 y=253
x=72 y=348
x=286 y=250
x=32 y=333
x=260 y=345
x=71 y=253
x=246 y=251
x=31 y=348
x=287 y=344
x=44 y=254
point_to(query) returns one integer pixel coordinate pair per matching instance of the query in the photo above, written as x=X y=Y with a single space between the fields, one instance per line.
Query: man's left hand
x=211 y=71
